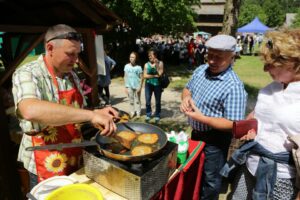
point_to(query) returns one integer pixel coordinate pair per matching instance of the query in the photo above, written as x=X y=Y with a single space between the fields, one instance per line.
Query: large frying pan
x=106 y=143
x=111 y=148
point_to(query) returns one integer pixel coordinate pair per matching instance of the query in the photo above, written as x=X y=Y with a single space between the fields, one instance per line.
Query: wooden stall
x=28 y=20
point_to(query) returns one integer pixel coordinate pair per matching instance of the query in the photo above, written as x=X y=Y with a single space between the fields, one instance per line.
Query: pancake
x=141 y=150
x=148 y=138
x=126 y=135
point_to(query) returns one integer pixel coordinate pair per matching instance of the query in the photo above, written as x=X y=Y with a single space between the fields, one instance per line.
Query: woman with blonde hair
x=267 y=169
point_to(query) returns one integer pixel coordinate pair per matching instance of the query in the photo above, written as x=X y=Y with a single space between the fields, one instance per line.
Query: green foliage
x=249 y=11
x=270 y=12
x=275 y=13
x=155 y=16
x=296 y=22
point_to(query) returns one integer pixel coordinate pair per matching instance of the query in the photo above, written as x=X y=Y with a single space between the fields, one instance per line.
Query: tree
x=155 y=16
x=270 y=12
x=296 y=21
x=274 y=12
x=231 y=13
x=249 y=12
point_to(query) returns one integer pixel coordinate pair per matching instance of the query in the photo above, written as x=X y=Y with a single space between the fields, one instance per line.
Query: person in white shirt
x=278 y=114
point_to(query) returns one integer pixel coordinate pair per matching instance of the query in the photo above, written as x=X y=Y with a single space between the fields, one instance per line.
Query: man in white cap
x=212 y=100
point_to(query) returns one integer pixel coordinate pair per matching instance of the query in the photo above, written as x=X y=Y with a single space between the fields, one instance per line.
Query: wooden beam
x=84 y=67
x=23 y=39
x=86 y=10
x=35 y=29
x=92 y=63
x=12 y=66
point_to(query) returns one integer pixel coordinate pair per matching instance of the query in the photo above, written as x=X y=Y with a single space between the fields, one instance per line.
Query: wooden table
x=107 y=194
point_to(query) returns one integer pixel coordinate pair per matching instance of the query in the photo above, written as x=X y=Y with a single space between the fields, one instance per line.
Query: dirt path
x=170 y=102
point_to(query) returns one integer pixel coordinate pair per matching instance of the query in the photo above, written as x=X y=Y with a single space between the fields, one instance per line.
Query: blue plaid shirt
x=221 y=96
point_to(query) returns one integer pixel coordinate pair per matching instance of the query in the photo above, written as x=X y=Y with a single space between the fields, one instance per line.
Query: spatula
x=123 y=141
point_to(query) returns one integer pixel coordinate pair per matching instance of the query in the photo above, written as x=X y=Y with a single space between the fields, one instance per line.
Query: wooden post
x=92 y=64
x=10 y=186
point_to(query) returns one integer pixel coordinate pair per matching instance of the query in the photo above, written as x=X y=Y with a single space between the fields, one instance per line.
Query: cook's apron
x=63 y=162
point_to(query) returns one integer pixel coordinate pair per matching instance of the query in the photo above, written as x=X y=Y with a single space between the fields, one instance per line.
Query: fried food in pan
x=148 y=138
x=126 y=135
x=140 y=150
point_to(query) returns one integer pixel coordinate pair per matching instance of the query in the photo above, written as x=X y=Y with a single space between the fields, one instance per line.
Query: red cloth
x=186 y=183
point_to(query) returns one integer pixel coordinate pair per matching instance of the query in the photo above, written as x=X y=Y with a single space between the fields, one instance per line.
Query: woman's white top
x=278 y=113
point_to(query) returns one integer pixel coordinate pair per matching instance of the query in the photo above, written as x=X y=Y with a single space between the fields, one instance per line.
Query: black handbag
x=164 y=80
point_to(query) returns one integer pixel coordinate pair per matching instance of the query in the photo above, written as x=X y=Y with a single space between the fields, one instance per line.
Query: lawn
x=250 y=71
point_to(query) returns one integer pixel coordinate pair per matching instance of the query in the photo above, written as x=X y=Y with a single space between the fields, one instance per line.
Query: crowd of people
x=187 y=49
x=49 y=102
x=246 y=43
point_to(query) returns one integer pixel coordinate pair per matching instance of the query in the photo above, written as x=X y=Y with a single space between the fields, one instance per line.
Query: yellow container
x=75 y=192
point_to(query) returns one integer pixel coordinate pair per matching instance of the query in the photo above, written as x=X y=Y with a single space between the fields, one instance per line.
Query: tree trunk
x=230 y=20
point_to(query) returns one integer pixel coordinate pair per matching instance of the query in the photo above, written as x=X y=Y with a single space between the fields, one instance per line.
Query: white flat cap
x=222 y=43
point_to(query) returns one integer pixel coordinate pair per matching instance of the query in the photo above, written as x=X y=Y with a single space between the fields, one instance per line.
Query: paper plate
x=41 y=190
x=75 y=192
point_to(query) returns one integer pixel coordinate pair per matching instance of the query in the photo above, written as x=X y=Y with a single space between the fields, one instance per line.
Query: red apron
x=64 y=162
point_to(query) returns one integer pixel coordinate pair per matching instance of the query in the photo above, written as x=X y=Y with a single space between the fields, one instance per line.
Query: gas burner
x=125 y=177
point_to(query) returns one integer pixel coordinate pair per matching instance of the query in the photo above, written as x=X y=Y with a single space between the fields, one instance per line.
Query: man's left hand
x=194 y=112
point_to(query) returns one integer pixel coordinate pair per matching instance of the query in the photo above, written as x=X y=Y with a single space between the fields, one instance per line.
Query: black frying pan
x=111 y=149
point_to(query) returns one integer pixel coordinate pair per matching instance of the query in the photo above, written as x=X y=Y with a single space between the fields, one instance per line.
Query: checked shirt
x=221 y=96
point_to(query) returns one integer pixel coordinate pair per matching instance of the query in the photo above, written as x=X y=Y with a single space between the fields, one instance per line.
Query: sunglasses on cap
x=69 y=36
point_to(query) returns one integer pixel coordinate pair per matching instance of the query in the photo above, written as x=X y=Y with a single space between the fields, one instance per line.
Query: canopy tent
x=204 y=34
x=256 y=26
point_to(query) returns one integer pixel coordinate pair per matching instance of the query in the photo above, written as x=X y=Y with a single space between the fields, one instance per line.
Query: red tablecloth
x=186 y=183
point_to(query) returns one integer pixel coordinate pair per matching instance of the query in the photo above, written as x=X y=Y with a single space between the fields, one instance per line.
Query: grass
x=250 y=71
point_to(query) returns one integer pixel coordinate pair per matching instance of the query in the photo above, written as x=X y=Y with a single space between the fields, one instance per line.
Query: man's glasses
x=69 y=36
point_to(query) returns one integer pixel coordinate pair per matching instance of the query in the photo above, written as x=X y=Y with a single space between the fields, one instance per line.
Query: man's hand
x=186 y=104
x=105 y=118
x=194 y=113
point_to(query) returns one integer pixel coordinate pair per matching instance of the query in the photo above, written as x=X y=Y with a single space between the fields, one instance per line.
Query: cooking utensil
x=63 y=146
x=104 y=143
x=122 y=140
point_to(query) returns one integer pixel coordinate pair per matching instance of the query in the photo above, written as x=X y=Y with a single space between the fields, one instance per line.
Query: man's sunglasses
x=69 y=36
